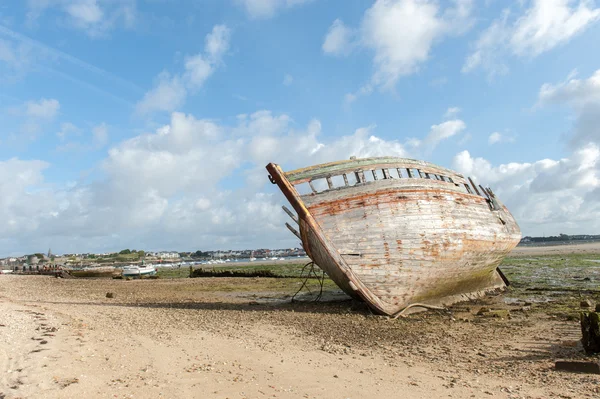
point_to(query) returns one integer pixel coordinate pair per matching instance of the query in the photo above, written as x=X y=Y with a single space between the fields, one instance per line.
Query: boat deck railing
x=336 y=175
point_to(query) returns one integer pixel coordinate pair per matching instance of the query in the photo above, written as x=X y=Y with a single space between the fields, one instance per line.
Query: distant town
x=560 y=239
x=133 y=256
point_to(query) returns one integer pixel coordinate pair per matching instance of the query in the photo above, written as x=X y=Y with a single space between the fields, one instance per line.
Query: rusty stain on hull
x=413 y=233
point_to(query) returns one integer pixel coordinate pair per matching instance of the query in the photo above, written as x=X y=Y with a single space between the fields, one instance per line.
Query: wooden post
x=590 y=330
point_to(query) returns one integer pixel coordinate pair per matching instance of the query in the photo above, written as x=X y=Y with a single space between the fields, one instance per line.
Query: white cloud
x=444 y=130
x=170 y=189
x=549 y=23
x=171 y=91
x=34 y=117
x=15 y=56
x=97 y=140
x=583 y=96
x=338 y=40
x=96 y=18
x=543 y=26
x=437 y=134
x=553 y=196
x=168 y=94
x=86 y=12
x=401 y=34
x=21 y=208
x=262 y=9
x=288 y=80
x=498 y=137
x=42 y=109
x=216 y=43
x=197 y=70
x=100 y=135
x=494 y=138
x=451 y=112
x=67 y=129
x=576 y=92
x=547 y=196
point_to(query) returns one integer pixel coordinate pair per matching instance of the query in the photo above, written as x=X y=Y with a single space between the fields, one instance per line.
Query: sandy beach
x=241 y=338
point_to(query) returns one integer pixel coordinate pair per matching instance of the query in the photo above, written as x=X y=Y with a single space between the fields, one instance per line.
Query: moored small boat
x=139 y=271
x=399 y=232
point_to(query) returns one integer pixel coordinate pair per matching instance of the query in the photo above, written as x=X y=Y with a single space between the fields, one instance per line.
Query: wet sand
x=240 y=338
x=587 y=248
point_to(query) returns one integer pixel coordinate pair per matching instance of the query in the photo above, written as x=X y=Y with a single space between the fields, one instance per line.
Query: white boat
x=139 y=271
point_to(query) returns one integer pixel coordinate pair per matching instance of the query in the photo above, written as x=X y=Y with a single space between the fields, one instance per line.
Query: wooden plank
x=293 y=230
x=474 y=186
x=329 y=182
x=290 y=214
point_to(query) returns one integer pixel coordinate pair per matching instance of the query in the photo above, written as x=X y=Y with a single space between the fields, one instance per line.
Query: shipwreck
x=399 y=233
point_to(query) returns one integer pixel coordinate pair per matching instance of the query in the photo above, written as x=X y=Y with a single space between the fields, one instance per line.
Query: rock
x=483 y=311
x=578 y=366
x=585 y=304
x=110 y=295
x=499 y=313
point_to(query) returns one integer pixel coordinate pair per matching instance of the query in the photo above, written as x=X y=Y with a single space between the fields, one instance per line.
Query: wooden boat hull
x=397 y=242
x=95 y=272
x=137 y=271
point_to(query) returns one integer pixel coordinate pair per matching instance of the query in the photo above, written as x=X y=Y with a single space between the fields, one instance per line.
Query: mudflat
x=585 y=248
x=243 y=338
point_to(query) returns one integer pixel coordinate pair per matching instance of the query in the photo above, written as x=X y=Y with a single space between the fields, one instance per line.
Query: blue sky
x=147 y=124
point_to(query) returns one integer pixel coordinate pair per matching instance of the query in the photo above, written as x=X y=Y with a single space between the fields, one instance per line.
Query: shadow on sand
x=329 y=306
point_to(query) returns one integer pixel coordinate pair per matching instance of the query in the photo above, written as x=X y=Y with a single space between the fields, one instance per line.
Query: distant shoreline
x=557 y=248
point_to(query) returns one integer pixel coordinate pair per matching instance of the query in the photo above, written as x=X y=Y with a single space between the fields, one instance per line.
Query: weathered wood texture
x=337 y=168
x=399 y=241
x=590 y=330
x=96 y=272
